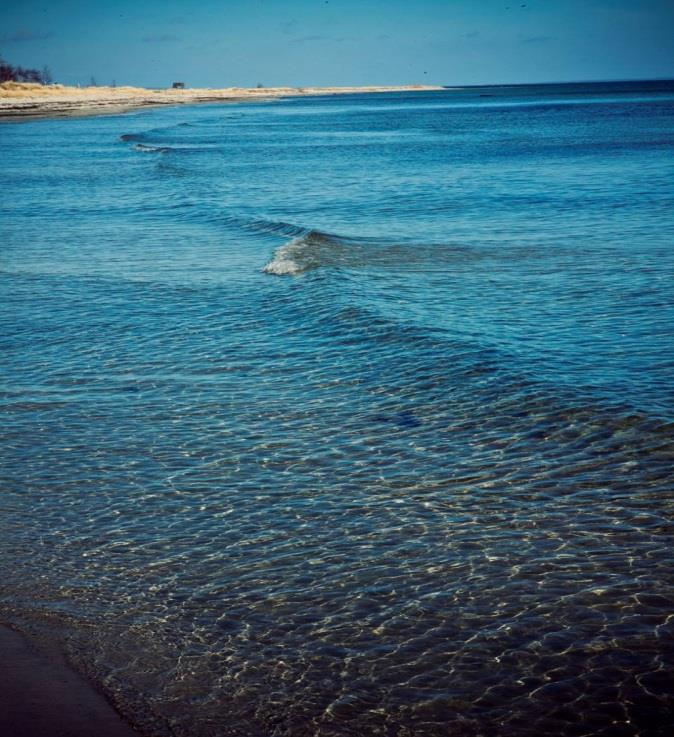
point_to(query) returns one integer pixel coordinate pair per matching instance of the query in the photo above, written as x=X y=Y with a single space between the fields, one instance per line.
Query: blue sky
x=340 y=42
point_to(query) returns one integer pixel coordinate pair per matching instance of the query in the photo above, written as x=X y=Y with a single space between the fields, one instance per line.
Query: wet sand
x=40 y=696
x=21 y=101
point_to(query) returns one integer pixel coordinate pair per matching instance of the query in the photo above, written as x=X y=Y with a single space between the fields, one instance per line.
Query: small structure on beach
x=178 y=85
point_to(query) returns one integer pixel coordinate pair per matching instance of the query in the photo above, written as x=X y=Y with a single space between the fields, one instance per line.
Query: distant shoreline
x=22 y=101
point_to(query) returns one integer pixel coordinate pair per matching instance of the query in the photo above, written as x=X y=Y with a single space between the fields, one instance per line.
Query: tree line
x=10 y=73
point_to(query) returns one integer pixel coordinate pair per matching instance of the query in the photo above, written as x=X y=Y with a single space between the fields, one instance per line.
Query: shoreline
x=20 y=102
x=41 y=694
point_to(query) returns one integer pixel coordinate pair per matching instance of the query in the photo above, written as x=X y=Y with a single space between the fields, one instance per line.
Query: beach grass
x=31 y=100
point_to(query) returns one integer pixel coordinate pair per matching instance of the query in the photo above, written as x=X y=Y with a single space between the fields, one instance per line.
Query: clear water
x=348 y=416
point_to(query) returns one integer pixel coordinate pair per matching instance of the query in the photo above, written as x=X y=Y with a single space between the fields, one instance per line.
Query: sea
x=347 y=415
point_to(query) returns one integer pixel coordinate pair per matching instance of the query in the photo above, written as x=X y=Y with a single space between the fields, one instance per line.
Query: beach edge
x=41 y=693
x=73 y=102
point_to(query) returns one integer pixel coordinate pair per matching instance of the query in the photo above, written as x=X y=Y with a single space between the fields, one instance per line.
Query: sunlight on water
x=348 y=416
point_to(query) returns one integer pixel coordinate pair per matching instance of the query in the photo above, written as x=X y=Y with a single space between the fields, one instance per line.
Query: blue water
x=347 y=415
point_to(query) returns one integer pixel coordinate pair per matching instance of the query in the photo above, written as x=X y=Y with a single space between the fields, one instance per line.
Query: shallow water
x=348 y=416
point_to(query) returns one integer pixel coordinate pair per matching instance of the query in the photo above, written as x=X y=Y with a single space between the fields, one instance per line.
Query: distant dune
x=28 y=100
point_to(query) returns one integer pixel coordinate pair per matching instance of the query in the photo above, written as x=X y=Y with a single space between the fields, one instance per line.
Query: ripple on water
x=368 y=500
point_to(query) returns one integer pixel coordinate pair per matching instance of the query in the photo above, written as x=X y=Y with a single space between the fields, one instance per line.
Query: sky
x=223 y=43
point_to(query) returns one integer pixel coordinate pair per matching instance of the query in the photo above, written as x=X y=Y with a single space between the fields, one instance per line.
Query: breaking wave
x=304 y=253
x=313 y=249
x=146 y=148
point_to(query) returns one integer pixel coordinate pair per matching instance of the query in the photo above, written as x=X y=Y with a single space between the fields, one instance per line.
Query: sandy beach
x=41 y=695
x=20 y=100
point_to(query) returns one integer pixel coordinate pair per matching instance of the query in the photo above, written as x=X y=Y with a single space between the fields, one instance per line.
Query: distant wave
x=148 y=135
x=275 y=227
x=146 y=148
x=140 y=144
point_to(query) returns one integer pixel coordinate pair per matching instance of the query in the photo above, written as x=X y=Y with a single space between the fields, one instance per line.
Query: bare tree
x=9 y=73
x=6 y=71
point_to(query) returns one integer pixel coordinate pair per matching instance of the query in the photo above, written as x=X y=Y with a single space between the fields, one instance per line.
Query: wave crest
x=304 y=253
x=146 y=148
x=312 y=249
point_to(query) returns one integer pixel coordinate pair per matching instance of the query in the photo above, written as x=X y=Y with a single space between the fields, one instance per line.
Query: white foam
x=290 y=259
x=283 y=263
x=309 y=251
x=146 y=148
x=282 y=267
